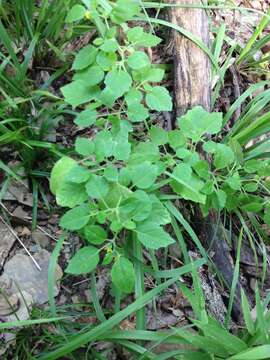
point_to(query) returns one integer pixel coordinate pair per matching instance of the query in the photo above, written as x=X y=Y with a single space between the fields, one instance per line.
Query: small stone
x=25 y=276
x=40 y=238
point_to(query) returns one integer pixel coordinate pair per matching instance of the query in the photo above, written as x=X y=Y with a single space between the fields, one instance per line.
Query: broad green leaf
x=71 y=194
x=86 y=118
x=94 y=234
x=77 y=93
x=198 y=122
x=84 y=261
x=234 y=181
x=75 y=219
x=85 y=57
x=117 y=192
x=143 y=175
x=77 y=174
x=106 y=60
x=137 y=112
x=124 y=10
x=109 y=45
x=111 y=173
x=76 y=13
x=252 y=166
x=84 y=146
x=144 y=151
x=59 y=171
x=176 y=139
x=91 y=76
x=159 y=214
x=137 y=207
x=221 y=198
x=103 y=145
x=254 y=206
x=223 y=157
x=133 y=97
x=97 y=187
x=148 y=74
x=158 y=135
x=123 y=275
x=257 y=353
x=223 y=154
x=138 y=60
x=187 y=184
x=159 y=99
x=202 y=169
x=152 y=236
x=117 y=83
x=137 y=36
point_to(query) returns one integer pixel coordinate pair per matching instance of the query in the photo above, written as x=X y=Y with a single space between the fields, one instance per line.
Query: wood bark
x=192 y=68
x=192 y=86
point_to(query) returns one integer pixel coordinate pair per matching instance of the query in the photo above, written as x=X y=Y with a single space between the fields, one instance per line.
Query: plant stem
x=139 y=282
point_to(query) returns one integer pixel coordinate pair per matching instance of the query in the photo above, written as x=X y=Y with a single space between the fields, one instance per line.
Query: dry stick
x=20 y=241
x=192 y=86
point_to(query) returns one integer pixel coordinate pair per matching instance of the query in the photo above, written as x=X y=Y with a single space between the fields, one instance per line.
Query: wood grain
x=192 y=68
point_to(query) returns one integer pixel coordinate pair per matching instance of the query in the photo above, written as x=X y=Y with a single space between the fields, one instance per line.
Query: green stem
x=139 y=282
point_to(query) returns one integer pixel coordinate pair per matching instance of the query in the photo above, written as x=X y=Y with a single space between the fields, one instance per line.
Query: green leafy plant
x=114 y=188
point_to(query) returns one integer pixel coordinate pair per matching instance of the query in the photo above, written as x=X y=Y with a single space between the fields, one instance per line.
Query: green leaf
x=186 y=184
x=137 y=207
x=144 y=151
x=84 y=261
x=143 y=175
x=111 y=173
x=201 y=168
x=152 y=236
x=84 y=146
x=106 y=60
x=159 y=214
x=103 y=145
x=75 y=219
x=124 y=10
x=252 y=166
x=109 y=45
x=198 y=122
x=234 y=181
x=266 y=217
x=85 y=57
x=257 y=353
x=159 y=99
x=78 y=174
x=78 y=92
x=97 y=187
x=94 y=234
x=123 y=275
x=70 y=194
x=149 y=74
x=76 y=13
x=137 y=112
x=117 y=83
x=91 y=76
x=158 y=135
x=138 y=60
x=137 y=36
x=176 y=139
x=59 y=171
x=86 y=118
x=247 y=313
x=224 y=156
